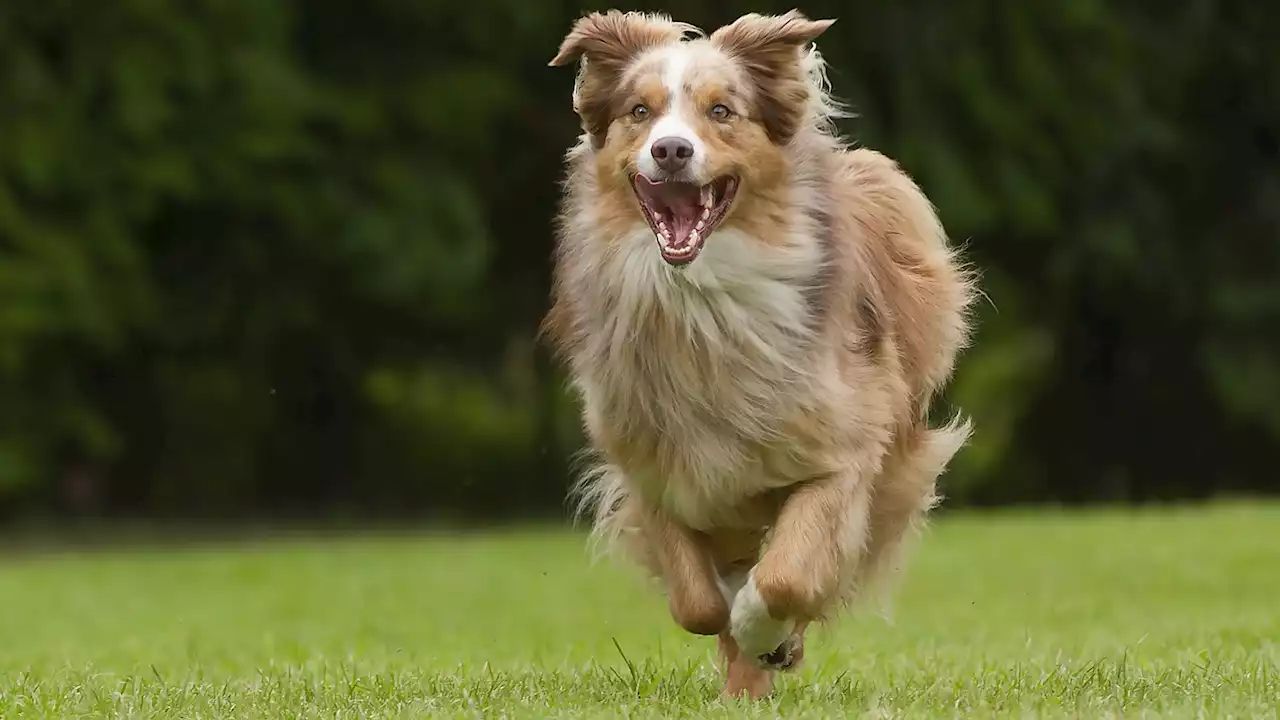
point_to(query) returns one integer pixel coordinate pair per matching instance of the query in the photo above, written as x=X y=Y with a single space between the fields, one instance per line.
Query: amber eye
x=721 y=112
x=640 y=112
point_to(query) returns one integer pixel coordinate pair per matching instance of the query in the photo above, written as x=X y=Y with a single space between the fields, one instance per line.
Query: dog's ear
x=614 y=37
x=605 y=43
x=769 y=48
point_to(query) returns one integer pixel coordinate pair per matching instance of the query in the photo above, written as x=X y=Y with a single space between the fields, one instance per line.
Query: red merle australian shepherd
x=756 y=317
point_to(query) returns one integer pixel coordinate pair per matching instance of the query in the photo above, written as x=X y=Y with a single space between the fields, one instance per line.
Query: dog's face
x=688 y=131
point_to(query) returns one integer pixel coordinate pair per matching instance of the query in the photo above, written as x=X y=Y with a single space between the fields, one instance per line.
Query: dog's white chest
x=697 y=369
x=719 y=496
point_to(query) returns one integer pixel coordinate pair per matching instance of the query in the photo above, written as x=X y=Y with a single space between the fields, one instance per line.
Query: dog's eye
x=721 y=112
x=640 y=112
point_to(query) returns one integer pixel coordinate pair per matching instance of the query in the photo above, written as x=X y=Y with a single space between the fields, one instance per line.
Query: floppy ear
x=769 y=48
x=606 y=42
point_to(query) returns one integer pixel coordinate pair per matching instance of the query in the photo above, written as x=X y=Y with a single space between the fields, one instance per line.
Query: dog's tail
x=905 y=493
x=600 y=497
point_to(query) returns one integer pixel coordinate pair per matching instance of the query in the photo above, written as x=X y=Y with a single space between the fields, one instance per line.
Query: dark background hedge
x=287 y=258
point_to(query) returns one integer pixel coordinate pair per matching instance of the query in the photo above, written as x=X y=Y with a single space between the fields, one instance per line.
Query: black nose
x=672 y=153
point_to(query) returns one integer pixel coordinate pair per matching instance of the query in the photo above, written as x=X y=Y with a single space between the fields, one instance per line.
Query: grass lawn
x=1170 y=613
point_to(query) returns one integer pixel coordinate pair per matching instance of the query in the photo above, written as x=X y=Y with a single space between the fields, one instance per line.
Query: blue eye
x=721 y=112
x=639 y=112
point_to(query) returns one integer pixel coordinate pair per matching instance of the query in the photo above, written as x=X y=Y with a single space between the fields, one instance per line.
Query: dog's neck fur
x=698 y=366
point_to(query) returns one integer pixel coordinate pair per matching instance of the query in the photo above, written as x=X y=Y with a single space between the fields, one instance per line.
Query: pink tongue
x=679 y=204
x=684 y=218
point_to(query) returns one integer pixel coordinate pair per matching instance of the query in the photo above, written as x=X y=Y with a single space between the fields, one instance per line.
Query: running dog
x=756 y=317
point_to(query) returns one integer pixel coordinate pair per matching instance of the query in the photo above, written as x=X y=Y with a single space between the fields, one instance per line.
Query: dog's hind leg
x=905 y=492
x=742 y=674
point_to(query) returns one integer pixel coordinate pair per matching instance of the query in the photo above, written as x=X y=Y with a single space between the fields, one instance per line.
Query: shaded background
x=286 y=259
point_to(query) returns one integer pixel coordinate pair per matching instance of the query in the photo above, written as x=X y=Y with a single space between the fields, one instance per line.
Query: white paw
x=757 y=633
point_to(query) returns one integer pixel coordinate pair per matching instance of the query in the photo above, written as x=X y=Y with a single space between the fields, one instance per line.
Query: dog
x=755 y=316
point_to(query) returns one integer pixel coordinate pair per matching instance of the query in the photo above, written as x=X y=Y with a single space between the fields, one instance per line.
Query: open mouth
x=683 y=214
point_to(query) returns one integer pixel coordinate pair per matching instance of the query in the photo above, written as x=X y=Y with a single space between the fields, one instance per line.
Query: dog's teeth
x=693 y=237
x=706 y=214
x=699 y=226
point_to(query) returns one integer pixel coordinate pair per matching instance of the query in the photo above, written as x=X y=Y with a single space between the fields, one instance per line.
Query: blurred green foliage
x=289 y=257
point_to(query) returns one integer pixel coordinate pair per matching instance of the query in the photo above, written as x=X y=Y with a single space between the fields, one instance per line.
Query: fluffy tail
x=601 y=497
x=904 y=494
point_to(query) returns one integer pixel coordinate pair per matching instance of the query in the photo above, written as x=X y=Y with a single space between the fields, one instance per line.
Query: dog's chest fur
x=693 y=376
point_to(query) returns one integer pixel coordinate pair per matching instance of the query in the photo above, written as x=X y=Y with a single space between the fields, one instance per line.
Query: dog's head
x=689 y=126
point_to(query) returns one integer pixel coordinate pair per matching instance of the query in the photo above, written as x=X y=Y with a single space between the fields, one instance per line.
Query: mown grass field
x=1169 y=613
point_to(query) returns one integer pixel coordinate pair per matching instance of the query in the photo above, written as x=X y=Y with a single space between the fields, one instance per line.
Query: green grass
x=1171 y=613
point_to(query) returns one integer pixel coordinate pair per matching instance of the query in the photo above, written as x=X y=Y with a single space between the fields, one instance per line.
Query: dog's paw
x=757 y=633
x=784 y=657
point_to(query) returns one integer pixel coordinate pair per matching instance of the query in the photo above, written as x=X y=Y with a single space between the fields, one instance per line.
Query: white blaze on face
x=674 y=122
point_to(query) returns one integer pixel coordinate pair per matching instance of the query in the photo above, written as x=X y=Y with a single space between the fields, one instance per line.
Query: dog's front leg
x=817 y=539
x=684 y=556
